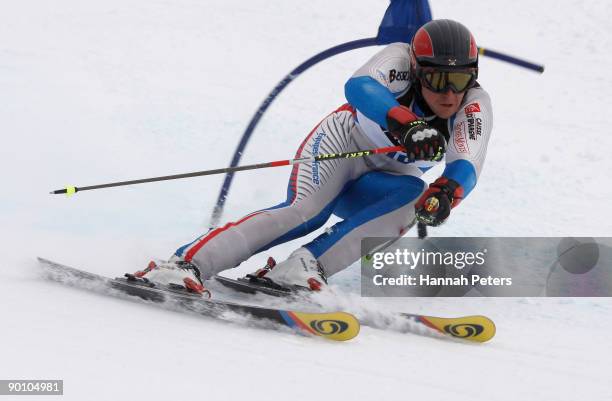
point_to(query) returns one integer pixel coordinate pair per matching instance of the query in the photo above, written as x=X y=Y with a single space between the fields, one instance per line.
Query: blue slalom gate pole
x=511 y=59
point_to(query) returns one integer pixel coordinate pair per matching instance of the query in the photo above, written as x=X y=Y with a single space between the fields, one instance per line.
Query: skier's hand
x=421 y=141
x=434 y=206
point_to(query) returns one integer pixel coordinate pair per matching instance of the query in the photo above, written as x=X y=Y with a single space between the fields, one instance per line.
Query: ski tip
x=337 y=326
x=475 y=328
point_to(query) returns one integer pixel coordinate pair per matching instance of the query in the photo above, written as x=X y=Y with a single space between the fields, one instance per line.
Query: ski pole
x=422 y=230
x=71 y=190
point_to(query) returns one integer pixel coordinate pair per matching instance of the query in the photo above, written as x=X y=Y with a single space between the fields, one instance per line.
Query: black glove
x=421 y=141
x=434 y=206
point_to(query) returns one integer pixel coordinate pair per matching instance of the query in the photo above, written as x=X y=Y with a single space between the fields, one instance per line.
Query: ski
x=338 y=326
x=476 y=328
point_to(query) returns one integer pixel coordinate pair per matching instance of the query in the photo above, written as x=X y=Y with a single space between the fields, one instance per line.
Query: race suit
x=375 y=195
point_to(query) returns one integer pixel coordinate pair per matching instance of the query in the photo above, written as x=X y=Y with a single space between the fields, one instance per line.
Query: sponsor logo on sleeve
x=460 y=139
x=474 y=122
x=472 y=108
x=395 y=75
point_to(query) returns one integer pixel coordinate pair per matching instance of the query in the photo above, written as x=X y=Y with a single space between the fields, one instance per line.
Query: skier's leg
x=377 y=205
x=312 y=194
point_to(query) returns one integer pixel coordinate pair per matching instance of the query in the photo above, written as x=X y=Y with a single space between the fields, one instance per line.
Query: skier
x=423 y=96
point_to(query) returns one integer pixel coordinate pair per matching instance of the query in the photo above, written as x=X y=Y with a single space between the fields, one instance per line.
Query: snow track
x=113 y=90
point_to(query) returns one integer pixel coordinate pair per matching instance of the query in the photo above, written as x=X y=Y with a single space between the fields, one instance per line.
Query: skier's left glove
x=434 y=206
x=421 y=141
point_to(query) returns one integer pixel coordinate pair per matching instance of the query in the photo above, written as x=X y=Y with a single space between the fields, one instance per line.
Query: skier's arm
x=373 y=89
x=465 y=157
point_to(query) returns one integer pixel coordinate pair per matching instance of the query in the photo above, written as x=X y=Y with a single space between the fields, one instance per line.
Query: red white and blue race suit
x=374 y=195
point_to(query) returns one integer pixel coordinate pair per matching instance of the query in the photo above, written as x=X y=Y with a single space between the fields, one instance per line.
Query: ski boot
x=174 y=273
x=300 y=271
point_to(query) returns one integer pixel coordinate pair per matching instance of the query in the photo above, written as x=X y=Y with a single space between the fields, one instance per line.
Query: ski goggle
x=440 y=81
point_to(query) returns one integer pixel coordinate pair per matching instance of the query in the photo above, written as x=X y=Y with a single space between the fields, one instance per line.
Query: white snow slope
x=93 y=92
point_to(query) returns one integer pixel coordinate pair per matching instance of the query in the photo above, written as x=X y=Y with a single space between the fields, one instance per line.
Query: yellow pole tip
x=70 y=190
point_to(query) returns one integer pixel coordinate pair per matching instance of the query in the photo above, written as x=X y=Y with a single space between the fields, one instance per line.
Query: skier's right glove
x=434 y=206
x=421 y=141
